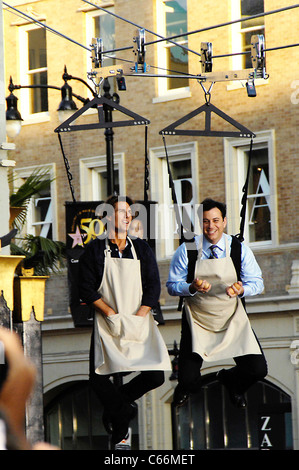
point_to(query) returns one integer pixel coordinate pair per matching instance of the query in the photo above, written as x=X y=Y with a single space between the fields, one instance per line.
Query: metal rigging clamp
x=258 y=55
x=139 y=51
x=96 y=52
x=206 y=57
x=258 y=69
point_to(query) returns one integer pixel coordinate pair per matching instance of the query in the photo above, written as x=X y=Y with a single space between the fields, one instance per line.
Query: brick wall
x=273 y=108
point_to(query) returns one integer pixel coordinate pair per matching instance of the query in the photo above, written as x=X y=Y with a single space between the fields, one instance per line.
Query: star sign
x=77 y=237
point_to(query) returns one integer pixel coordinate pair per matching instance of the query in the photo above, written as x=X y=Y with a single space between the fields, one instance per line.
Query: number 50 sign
x=92 y=227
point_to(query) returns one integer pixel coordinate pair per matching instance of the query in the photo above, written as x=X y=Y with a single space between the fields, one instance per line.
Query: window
x=102 y=25
x=93 y=177
x=259 y=204
x=33 y=63
x=73 y=421
x=40 y=218
x=261 y=214
x=209 y=421
x=41 y=213
x=243 y=31
x=183 y=166
x=172 y=59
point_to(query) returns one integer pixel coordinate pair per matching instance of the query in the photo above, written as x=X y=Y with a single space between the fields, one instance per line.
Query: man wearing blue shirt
x=215 y=325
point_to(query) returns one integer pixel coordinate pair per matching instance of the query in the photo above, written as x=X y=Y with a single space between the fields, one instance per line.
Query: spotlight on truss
x=251 y=91
x=121 y=83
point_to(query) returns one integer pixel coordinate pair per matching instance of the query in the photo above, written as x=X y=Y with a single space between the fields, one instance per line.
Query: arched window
x=209 y=421
x=73 y=420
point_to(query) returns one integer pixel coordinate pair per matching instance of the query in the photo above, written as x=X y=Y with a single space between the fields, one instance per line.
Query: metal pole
x=4 y=163
x=29 y=331
x=109 y=140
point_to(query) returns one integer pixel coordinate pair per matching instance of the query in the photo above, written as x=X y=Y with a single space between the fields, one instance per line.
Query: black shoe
x=180 y=396
x=121 y=423
x=236 y=398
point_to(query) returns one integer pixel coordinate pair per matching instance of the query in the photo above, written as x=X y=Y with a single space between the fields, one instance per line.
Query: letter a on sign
x=266 y=442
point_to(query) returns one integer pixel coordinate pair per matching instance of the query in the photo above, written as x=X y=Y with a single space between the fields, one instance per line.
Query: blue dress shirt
x=251 y=275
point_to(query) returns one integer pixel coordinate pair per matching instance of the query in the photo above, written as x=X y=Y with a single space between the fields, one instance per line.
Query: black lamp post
x=109 y=137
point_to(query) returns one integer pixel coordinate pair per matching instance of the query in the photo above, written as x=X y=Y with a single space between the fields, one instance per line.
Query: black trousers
x=248 y=370
x=113 y=396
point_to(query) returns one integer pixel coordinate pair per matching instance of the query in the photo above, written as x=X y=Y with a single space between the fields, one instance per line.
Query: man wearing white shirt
x=215 y=325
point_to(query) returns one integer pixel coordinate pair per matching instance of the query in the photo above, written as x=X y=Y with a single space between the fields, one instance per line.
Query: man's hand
x=199 y=285
x=103 y=308
x=143 y=311
x=235 y=289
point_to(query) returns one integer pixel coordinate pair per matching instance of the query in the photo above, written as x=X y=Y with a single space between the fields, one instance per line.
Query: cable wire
x=141 y=27
x=169 y=39
x=220 y=25
x=43 y=25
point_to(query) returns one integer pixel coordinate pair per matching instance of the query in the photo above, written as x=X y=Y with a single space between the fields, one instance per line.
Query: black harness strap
x=146 y=172
x=67 y=167
x=235 y=255
x=240 y=236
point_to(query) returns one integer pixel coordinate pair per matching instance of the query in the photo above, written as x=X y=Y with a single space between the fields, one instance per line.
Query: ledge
x=256 y=305
x=281 y=303
x=59 y=322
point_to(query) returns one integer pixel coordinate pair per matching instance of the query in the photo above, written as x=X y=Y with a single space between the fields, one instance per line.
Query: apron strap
x=107 y=251
x=132 y=248
x=227 y=249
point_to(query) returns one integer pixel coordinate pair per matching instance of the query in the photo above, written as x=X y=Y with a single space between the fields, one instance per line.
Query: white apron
x=219 y=325
x=125 y=342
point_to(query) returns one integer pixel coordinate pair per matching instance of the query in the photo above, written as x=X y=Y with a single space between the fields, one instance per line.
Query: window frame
x=165 y=94
x=194 y=426
x=161 y=193
x=23 y=173
x=89 y=167
x=236 y=47
x=73 y=419
x=90 y=30
x=25 y=73
x=235 y=177
x=237 y=32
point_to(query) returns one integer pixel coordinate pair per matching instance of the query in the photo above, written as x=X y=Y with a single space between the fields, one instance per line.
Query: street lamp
x=104 y=105
x=66 y=107
x=13 y=117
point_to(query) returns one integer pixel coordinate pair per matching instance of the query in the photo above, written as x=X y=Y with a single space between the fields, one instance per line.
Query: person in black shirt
x=119 y=277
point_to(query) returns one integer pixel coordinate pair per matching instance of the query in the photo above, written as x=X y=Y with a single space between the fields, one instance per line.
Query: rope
x=146 y=172
x=67 y=167
x=240 y=235
x=173 y=195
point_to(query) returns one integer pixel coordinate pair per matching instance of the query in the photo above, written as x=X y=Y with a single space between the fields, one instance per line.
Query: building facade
x=42 y=37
